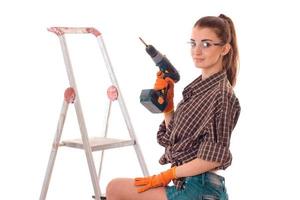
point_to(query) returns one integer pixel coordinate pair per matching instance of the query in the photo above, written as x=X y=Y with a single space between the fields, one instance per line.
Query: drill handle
x=174 y=76
x=168 y=69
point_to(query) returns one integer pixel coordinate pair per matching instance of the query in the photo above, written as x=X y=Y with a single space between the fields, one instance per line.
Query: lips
x=199 y=59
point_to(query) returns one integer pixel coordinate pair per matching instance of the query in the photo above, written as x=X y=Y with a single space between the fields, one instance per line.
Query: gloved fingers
x=159 y=74
x=141 y=181
x=169 y=81
x=160 y=84
x=170 y=87
x=144 y=188
x=139 y=178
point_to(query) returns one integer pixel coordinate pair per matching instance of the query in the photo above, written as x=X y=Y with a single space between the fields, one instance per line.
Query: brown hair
x=224 y=28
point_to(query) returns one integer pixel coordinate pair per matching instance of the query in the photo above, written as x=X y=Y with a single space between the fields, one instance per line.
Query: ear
x=226 y=48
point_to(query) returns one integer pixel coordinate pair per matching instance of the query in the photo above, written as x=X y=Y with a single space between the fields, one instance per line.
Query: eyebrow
x=204 y=40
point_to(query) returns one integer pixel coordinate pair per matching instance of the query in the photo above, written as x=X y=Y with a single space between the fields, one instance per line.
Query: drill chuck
x=151 y=51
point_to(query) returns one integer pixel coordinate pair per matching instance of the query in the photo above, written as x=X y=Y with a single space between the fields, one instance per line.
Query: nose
x=196 y=50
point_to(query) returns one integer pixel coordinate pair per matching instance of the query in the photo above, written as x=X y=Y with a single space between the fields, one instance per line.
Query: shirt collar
x=199 y=86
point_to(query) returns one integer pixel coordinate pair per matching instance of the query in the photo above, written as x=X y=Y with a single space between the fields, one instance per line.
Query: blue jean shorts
x=206 y=186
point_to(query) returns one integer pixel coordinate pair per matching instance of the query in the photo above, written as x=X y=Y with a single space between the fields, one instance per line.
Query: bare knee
x=113 y=189
x=121 y=189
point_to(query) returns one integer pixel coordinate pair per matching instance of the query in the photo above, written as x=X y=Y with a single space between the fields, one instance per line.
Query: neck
x=214 y=68
x=210 y=71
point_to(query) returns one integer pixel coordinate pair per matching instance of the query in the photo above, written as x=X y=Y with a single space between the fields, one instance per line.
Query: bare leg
x=124 y=189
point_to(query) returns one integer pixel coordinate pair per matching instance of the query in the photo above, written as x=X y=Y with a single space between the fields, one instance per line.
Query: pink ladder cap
x=71 y=30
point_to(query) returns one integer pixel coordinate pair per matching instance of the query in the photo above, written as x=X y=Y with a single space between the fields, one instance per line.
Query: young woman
x=196 y=136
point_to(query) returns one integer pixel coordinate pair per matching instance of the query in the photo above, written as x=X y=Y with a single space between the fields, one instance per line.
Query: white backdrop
x=32 y=80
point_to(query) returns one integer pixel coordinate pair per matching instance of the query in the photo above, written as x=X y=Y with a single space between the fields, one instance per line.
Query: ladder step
x=98 y=143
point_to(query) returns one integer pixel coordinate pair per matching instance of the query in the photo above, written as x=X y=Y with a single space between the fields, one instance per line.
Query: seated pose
x=196 y=135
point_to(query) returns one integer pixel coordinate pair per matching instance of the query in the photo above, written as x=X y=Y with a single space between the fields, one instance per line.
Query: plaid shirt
x=202 y=124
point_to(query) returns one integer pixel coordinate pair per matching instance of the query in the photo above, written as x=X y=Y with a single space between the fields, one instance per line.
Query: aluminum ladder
x=89 y=145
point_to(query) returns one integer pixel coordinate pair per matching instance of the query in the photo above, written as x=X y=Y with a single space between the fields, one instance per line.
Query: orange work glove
x=162 y=179
x=166 y=84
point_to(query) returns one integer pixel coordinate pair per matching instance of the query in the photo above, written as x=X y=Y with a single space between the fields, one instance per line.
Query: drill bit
x=143 y=42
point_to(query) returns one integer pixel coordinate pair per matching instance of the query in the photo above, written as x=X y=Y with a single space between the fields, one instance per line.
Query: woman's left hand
x=162 y=179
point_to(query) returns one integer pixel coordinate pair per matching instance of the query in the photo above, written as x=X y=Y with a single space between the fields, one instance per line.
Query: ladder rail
x=80 y=118
x=54 y=150
x=105 y=135
x=122 y=105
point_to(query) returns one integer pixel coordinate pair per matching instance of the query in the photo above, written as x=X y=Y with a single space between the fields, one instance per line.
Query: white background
x=32 y=81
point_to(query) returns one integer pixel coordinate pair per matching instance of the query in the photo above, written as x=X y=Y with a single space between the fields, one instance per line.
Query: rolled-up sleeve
x=163 y=133
x=215 y=144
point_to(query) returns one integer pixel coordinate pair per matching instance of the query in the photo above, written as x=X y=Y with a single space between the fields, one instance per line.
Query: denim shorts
x=206 y=186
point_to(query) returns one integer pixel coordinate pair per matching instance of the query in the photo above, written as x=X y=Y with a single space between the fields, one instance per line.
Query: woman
x=196 y=136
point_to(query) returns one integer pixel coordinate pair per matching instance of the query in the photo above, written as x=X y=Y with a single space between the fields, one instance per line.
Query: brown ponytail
x=224 y=28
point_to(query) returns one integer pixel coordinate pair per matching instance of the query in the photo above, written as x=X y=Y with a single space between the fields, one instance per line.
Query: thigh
x=123 y=188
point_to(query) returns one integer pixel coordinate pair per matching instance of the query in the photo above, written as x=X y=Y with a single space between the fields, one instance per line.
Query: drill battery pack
x=149 y=98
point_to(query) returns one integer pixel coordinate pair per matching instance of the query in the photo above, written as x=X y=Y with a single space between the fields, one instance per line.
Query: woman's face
x=206 y=49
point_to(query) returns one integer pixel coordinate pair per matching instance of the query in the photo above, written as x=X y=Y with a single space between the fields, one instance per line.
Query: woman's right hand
x=166 y=84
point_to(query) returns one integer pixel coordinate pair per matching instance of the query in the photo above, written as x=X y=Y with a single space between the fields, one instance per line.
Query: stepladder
x=86 y=143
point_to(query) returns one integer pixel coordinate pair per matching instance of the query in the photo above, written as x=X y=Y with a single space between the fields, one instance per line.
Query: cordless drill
x=151 y=98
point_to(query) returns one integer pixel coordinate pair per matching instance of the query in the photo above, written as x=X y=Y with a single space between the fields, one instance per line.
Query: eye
x=205 y=44
x=192 y=43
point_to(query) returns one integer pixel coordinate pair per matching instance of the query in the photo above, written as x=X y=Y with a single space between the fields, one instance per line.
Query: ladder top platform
x=74 y=30
x=98 y=143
